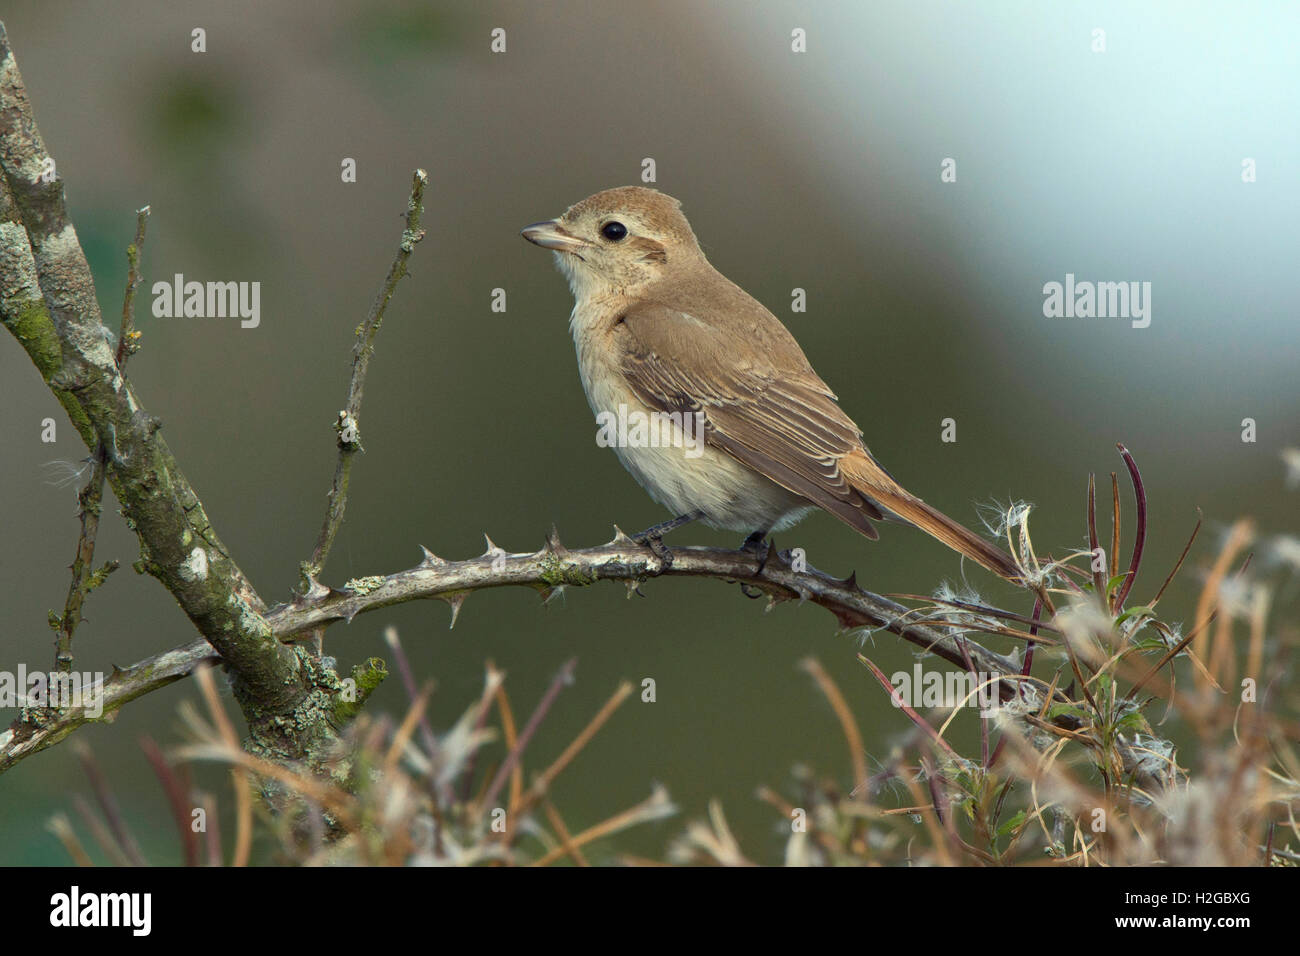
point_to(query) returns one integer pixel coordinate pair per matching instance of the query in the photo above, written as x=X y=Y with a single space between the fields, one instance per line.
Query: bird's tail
x=872 y=481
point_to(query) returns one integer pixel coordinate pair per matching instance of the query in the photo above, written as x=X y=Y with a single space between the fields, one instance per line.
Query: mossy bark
x=47 y=302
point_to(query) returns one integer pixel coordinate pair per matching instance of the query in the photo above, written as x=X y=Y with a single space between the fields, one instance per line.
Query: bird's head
x=618 y=241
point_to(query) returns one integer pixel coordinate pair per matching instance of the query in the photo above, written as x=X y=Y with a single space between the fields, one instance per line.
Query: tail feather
x=960 y=539
x=882 y=489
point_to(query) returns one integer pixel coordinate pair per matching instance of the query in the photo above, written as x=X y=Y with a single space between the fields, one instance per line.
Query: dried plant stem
x=619 y=821
x=562 y=832
x=543 y=783
x=848 y=725
x=238 y=776
x=511 y=736
x=562 y=678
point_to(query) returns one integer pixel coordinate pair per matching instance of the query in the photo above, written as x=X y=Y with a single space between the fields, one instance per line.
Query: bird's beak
x=551 y=235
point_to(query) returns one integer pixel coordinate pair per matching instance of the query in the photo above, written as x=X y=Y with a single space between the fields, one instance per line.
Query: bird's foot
x=653 y=536
x=760 y=547
x=757 y=545
x=655 y=543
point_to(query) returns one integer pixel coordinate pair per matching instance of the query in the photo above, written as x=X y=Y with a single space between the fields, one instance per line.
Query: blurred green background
x=817 y=170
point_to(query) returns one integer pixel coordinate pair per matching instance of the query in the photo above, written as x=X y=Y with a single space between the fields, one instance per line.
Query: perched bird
x=659 y=330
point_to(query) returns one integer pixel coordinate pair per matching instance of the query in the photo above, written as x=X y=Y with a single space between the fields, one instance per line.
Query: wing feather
x=765 y=407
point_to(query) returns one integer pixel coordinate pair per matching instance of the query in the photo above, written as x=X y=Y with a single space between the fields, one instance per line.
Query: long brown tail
x=872 y=480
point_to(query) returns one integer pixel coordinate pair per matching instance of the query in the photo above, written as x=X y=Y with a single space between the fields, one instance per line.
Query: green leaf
x=1150 y=644
x=1134 y=722
x=1014 y=823
x=1142 y=609
x=1059 y=710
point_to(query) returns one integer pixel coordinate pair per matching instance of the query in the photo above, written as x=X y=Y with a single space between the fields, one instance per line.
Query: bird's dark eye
x=613 y=231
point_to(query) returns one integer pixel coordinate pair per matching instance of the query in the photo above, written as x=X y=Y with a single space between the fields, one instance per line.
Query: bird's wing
x=762 y=403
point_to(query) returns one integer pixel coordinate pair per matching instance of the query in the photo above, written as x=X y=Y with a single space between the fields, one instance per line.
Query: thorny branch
x=547 y=570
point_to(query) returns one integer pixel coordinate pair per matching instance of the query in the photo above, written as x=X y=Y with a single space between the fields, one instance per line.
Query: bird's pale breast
x=731 y=495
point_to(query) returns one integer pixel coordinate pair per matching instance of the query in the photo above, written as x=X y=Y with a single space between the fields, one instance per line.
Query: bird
x=659 y=331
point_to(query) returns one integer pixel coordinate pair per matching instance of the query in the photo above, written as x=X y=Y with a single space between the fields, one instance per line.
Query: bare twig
x=128 y=337
x=84 y=578
x=348 y=424
x=90 y=500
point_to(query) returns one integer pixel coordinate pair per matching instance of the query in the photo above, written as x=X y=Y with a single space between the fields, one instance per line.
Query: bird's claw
x=655 y=544
x=759 y=546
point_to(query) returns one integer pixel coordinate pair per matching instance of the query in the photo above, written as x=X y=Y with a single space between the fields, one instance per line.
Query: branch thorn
x=455 y=601
x=553 y=545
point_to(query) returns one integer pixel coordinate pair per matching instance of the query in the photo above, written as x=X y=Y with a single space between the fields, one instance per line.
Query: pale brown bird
x=659 y=330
